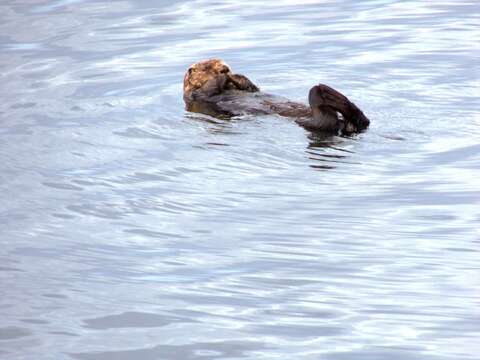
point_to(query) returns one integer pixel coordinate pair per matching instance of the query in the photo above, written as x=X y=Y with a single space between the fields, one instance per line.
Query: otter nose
x=224 y=69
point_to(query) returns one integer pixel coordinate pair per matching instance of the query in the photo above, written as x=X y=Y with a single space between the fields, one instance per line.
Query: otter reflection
x=210 y=87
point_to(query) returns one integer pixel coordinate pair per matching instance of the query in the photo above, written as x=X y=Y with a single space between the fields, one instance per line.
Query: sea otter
x=210 y=87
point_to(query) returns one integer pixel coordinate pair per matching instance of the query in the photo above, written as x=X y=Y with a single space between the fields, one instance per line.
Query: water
x=131 y=229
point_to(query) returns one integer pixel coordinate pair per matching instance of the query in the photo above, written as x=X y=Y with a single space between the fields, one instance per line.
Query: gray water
x=131 y=229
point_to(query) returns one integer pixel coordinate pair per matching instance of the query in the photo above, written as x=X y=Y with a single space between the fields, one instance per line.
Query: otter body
x=211 y=88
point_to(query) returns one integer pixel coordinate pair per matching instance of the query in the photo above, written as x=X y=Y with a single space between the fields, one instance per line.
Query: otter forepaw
x=241 y=82
x=213 y=86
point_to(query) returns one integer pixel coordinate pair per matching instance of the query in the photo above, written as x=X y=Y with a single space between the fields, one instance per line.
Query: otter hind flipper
x=323 y=97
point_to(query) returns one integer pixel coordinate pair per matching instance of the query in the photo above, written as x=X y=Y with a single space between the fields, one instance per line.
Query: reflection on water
x=131 y=228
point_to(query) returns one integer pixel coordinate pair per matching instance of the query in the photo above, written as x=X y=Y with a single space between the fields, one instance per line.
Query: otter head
x=211 y=77
x=201 y=73
x=327 y=102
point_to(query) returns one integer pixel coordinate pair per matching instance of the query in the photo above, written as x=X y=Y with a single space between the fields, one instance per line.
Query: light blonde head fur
x=198 y=74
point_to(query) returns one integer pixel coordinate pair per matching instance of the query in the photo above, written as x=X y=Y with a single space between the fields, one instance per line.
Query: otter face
x=212 y=77
x=200 y=73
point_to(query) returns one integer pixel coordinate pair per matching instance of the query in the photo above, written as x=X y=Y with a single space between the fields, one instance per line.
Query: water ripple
x=134 y=229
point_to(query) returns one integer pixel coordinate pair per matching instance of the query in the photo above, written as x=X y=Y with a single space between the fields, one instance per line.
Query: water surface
x=131 y=229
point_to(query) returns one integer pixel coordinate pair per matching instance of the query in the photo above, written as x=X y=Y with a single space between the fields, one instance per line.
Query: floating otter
x=211 y=88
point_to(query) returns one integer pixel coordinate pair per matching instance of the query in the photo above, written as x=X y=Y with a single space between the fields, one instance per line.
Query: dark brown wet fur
x=210 y=87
